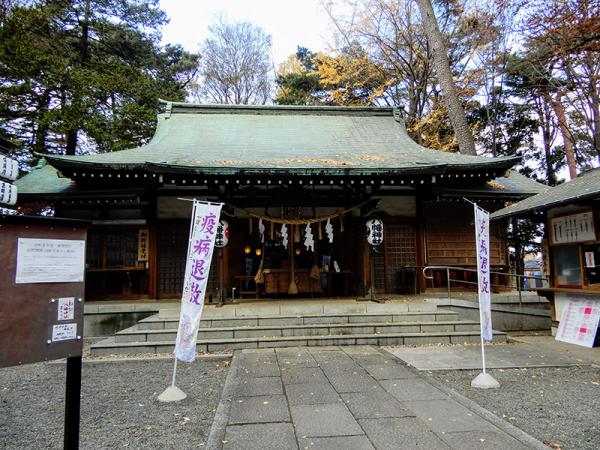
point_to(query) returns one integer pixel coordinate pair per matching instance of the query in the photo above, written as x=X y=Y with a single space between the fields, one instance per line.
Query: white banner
x=205 y=218
x=482 y=242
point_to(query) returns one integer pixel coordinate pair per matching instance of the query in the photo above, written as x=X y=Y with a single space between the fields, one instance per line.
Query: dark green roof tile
x=585 y=186
x=229 y=138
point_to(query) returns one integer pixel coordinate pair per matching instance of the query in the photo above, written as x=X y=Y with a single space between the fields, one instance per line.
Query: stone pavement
x=522 y=352
x=349 y=398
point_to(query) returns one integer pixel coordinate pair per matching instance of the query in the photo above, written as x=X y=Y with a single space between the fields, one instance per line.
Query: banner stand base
x=172 y=394
x=485 y=381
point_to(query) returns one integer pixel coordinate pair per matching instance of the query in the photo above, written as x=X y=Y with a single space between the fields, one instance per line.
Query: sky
x=290 y=23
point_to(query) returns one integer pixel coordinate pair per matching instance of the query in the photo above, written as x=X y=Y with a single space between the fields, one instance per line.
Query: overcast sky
x=290 y=23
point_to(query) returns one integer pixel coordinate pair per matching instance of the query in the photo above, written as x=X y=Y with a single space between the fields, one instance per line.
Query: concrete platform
x=336 y=400
x=521 y=352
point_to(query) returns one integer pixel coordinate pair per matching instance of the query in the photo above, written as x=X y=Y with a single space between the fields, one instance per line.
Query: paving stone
x=448 y=416
x=412 y=389
x=252 y=387
x=311 y=394
x=361 y=350
x=389 y=370
x=333 y=369
x=292 y=357
x=259 y=368
x=324 y=420
x=303 y=375
x=352 y=382
x=263 y=409
x=264 y=436
x=335 y=443
x=476 y=440
x=401 y=433
x=374 y=404
x=330 y=348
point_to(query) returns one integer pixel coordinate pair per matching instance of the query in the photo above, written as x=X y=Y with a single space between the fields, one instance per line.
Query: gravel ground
x=118 y=405
x=558 y=406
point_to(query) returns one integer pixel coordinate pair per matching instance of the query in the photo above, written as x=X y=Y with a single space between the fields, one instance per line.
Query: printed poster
x=579 y=321
x=50 y=261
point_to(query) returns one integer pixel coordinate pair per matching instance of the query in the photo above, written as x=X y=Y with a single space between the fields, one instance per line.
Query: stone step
x=157 y=322
x=110 y=347
x=134 y=334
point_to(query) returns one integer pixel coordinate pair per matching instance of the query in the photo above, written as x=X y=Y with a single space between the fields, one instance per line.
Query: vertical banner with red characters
x=482 y=241
x=205 y=220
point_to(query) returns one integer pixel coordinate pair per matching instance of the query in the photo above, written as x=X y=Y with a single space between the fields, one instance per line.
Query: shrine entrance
x=396 y=260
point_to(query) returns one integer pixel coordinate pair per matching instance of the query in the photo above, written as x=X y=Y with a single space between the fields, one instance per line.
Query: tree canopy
x=86 y=75
x=236 y=65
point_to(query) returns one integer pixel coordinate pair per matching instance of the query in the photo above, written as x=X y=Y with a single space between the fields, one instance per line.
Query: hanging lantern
x=297 y=250
x=222 y=235
x=247 y=249
x=258 y=251
x=374 y=232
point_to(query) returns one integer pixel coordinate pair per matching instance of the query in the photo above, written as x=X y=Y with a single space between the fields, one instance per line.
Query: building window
x=568 y=265
x=110 y=249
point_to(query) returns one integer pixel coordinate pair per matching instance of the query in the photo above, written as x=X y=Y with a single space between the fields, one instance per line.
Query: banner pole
x=482 y=344
x=173 y=393
x=483 y=380
x=175 y=372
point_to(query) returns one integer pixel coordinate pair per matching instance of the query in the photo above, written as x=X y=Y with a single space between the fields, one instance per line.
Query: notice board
x=579 y=322
x=41 y=288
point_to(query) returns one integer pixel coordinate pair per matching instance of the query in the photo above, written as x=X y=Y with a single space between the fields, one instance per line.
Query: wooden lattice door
x=172 y=251
x=400 y=257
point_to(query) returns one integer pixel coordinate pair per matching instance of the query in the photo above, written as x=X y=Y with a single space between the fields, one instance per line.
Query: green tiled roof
x=43 y=179
x=584 y=187
x=512 y=185
x=230 y=138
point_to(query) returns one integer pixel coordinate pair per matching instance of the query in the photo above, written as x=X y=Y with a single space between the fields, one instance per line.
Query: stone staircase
x=290 y=325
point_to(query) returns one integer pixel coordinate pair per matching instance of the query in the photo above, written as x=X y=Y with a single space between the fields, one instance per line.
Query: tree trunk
x=456 y=112
x=544 y=112
x=41 y=133
x=71 y=138
x=559 y=110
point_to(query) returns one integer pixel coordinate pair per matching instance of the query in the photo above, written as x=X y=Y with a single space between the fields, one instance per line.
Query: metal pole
x=482 y=344
x=519 y=289
x=448 y=280
x=72 y=403
x=221 y=276
x=174 y=372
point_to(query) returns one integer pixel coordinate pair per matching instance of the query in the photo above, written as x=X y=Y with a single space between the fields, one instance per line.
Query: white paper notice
x=66 y=308
x=590 y=260
x=64 y=332
x=50 y=261
x=579 y=321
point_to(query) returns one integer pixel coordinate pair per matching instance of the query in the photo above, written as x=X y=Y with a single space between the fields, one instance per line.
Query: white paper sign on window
x=50 y=260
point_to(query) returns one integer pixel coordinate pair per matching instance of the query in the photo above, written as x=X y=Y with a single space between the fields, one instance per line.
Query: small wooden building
x=571 y=214
x=271 y=165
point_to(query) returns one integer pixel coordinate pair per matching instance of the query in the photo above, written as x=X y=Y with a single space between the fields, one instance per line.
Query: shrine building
x=277 y=170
